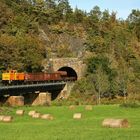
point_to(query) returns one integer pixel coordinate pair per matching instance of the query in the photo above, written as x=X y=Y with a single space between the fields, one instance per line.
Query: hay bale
x=1 y=117
x=36 y=115
x=88 y=107
x=20 y=112
x=31 y=113
x=71 y=107
x=77 y=116
x=115 y=123
x=7 y=119
x=107 y=122
x=120 y=123
x=47 y=117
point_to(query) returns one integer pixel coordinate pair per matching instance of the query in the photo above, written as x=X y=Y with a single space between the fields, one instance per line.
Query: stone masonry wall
x=77 y=65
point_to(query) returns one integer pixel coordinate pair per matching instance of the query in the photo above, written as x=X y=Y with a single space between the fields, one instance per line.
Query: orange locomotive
x=14 y=77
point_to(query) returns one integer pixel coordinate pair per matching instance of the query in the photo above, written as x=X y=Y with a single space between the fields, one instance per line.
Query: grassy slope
x=65 y=128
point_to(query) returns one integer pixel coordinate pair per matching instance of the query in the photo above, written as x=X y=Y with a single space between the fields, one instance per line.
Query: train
x=12 y=77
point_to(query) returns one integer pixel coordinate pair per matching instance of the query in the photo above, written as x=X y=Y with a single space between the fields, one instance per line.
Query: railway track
x=19 y=89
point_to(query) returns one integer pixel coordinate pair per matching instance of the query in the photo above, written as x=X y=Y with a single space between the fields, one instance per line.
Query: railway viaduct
x=74 y=68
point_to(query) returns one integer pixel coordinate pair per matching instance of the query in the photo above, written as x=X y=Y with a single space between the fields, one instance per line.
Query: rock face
x=15 y=101
x=115 y=123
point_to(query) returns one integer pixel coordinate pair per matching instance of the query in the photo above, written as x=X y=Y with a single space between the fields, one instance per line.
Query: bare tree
x=101 y=83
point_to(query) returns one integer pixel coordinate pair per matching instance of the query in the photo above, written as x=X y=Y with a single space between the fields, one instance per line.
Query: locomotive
x=12 y=77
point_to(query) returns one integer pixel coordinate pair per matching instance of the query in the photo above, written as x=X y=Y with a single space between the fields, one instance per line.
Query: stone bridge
x=74 y=66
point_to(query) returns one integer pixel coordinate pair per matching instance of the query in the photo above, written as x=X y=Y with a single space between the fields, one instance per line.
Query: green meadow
x=64 y=127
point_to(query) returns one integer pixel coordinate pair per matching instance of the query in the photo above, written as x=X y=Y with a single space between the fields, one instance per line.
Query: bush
x=130 y=105
x=108 y=101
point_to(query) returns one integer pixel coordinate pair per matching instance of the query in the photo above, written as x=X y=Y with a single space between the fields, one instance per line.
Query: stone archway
x=73 y=66
x=70 y=72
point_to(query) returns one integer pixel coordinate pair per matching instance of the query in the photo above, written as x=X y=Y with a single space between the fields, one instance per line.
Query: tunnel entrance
x=70 y=72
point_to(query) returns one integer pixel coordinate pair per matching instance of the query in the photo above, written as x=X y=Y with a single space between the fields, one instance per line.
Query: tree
x=123 y=79
x=78 y=15
x=64 y=10
x=101 y=82
x=134 y=20
x=94 y=19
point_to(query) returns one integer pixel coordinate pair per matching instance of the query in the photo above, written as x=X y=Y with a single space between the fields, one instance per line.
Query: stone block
x=15 y=101
x=43 y=98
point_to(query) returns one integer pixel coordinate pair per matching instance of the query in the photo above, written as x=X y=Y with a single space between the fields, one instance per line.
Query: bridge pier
x=42 y=98
x=65 y=93
x=15 y=101
x=34 y=99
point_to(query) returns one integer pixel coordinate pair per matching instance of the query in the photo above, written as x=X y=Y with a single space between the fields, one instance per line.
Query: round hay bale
x=47 y=117
x=120 y=123
x=115 y=123
x=77 y=116
x=107 y=122
x=20 y=112
x=88 y=107
x=36 y=115
x=7 y=118
x=31 y=113
x=71 y=107
x=1 y=117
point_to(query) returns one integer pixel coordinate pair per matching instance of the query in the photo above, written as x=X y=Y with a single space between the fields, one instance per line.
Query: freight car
x=12 y=77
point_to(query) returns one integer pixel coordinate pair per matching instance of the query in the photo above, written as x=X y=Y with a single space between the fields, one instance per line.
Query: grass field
x=63 y=127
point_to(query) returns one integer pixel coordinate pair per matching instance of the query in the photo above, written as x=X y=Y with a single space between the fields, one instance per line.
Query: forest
x=34 y=30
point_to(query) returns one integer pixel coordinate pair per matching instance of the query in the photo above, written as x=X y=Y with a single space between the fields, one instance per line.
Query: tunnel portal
x=70 y=72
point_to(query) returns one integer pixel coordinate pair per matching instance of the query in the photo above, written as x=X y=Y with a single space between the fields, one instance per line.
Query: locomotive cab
x=12 y=76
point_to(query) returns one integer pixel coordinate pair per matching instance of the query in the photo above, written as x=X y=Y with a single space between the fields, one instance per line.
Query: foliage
x=31 y=30
x=130 y=105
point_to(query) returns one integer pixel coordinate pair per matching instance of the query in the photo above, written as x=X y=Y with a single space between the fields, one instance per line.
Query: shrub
x=130 y=105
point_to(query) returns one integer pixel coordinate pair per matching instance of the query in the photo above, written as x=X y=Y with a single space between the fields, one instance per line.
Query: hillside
x=32 y=30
